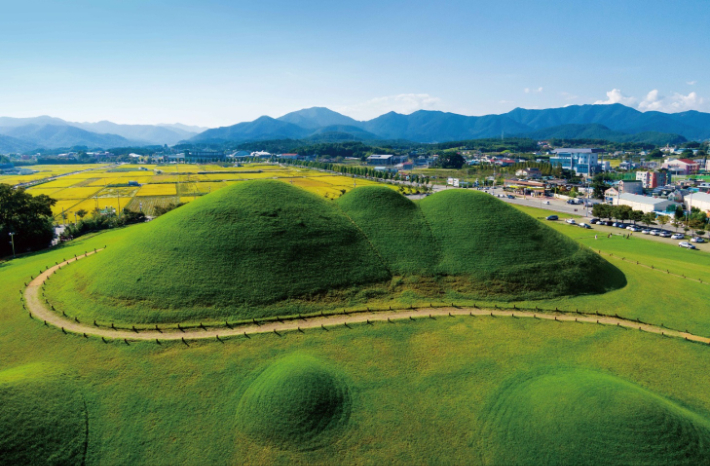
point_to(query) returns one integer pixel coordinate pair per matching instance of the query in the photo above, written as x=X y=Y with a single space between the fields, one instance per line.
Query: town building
x=287 y=156
x=584 y=162
x=652 y=180
x=630 y=187
x=531 y=173
x=645 y=203
x=698 y=200
x=682 y=166
x=384 y=159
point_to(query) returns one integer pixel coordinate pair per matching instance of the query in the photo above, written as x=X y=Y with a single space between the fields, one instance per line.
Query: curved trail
x=39 y=310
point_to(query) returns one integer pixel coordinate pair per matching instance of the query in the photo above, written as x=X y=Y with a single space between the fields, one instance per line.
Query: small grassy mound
x=42 y=419
x=395 y=226
x=490 y=241
x=296 y=403
x=251 y=243
x=584 y=417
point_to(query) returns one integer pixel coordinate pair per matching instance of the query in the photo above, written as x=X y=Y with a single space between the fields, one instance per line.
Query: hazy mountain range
x=44 y=132
x=614 y=122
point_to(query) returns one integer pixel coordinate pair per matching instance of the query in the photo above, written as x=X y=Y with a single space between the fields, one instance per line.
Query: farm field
x=91 y=189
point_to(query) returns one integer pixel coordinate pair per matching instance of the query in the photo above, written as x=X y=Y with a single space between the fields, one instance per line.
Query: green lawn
x=415 y=392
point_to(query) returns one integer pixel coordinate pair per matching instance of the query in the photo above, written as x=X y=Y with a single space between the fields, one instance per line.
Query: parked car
x=646 y=231
x=607 y=223
x=633 y=228
x=678 y=236
x=621 y=225
x=664 y=234
x=655 y=232
x=571 y=221
x=697 y=239
x=594 y=221
x=584 y=225
x=685 y=244
x=615 y=224
x=552 y=217
x=510 y=196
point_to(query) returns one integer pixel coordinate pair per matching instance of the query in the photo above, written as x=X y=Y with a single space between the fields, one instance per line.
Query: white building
x=698 y=200
x=644 y=203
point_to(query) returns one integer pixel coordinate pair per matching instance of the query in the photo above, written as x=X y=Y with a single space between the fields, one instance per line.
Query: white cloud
x=675 y=103
x=401 y=103
x=533 y=90
x=615 y=96
x=692 y=83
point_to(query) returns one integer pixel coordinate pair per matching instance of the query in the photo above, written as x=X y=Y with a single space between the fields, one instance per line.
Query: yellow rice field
x=163 y=184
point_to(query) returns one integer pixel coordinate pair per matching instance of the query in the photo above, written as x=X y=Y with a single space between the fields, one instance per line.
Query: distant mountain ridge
x=621 y=123
x=613 y=122
x=45 y=132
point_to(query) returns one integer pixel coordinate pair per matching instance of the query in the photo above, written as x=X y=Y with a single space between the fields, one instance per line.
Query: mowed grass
x=420 y=390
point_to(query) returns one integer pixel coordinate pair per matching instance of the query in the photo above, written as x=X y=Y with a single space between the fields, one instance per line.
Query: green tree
x=451 y=160
x=636 y=216
x=648 y=219
x=29 y=217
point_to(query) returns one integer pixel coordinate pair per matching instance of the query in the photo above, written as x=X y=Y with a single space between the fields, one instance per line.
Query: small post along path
x=38 y=309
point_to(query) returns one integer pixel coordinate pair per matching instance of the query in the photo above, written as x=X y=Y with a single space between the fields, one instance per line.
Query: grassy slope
x=419 y=389
x=395 y=226
x=584 y=417
x=248 y=244
x=42 y=417
x=491 y=241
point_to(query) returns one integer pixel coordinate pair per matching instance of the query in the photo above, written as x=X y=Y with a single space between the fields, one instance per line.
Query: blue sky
x=214 y=63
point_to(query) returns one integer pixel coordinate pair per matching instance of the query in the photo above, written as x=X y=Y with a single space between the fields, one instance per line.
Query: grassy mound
x=250 y=243
x=512 y=253
x=395 y=226
x=42 y=420
x=297 y=403
x=583 y=417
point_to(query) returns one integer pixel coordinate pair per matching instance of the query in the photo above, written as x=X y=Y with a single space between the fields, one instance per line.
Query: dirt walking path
x=38 y=310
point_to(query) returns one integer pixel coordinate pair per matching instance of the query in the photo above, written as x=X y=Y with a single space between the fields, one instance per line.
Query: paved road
x=37 y=307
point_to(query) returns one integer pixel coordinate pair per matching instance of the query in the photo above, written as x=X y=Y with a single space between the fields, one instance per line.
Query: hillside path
x=39 y=310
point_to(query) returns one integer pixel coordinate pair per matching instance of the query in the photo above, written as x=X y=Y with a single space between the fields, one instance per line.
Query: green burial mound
x=586 y=418
x=250 y=243
x=510 y=252
x=395 y=226
x=265 y=248
x=43 y=419
x=297 y=403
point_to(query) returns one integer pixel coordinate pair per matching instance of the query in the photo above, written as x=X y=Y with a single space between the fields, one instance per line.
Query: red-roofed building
x=682 y=166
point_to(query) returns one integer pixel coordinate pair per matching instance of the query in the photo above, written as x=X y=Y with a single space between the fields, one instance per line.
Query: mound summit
x=584 y=417
x=296 y=403
x=257 y=243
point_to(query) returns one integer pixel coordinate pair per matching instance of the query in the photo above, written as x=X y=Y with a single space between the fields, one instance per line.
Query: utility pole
x=12 y=241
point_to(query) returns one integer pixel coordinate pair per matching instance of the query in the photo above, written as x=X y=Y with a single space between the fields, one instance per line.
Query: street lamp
x=12 y=241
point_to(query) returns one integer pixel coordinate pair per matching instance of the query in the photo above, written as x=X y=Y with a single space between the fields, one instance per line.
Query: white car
x=664 y=234
x=697 y=239
x=646 y=232
x=655 y=232
x=678 y=236
x=685 y=244
x=571 y=221
x=633 y=228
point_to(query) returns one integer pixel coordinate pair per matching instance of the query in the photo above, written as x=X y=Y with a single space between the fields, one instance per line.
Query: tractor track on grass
x=38 y=310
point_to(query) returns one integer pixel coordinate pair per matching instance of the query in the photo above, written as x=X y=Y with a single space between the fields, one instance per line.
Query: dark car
x=552 y=217
x=594 y=221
